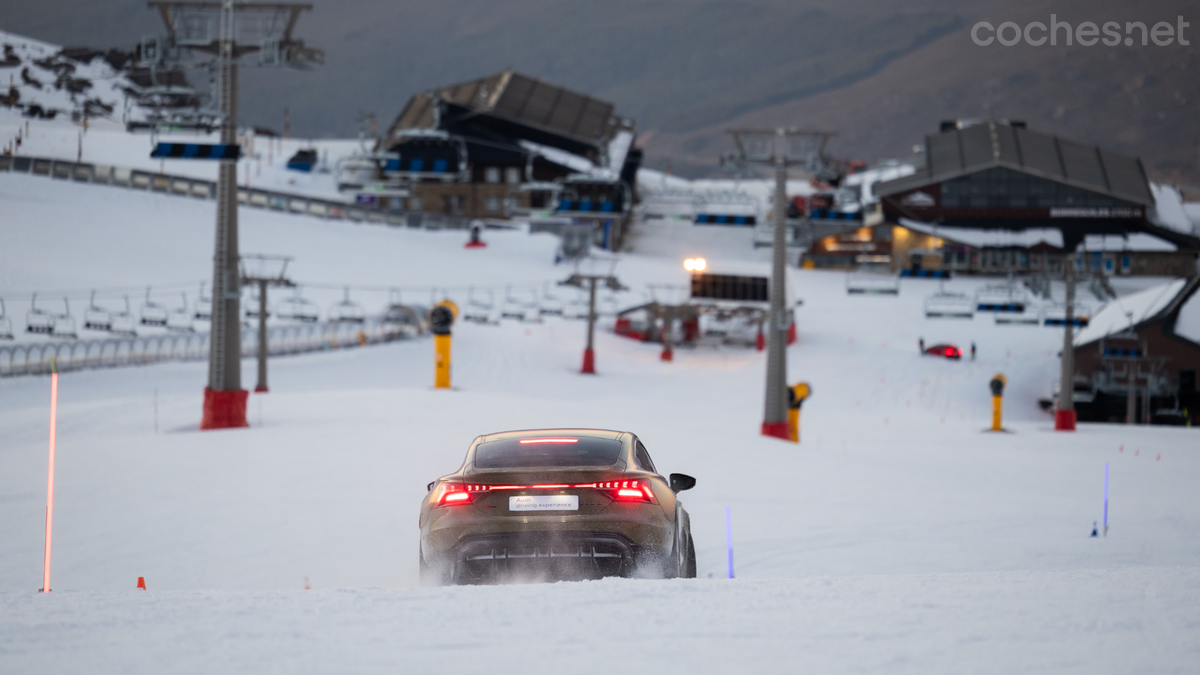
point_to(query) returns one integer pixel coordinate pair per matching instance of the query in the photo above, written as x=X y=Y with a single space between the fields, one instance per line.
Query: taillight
x=454 y=493
x=620 y=490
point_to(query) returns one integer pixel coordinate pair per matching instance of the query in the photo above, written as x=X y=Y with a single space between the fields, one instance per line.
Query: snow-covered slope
x=897 y=537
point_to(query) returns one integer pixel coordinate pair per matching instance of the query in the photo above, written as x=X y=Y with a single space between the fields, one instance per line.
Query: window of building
x=414 y=203
x=512 y=175
x=512 y=203
x=491 y=174
x=491 y=203
x=1004 y=188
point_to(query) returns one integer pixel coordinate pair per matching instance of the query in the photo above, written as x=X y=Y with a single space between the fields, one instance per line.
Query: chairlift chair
x=347 y=310
x=153 y=314
x=1056 y=315
x=96 y=318
x=551 y=303
x=180 y=320
x=123 y=322
x=533 y=308
x=607 y=304
x=577 y=308
x=251 y=310
x=1007 y=297
x=37 y=321
x=865 y=281
x=64 y=324
x=512 y=308
x=948 y=305
x=477 y=310
x=5 y=323
x=299 y=308
x=203 y=306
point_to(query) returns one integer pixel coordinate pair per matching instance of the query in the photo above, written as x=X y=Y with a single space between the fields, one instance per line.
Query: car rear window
x=512 y=453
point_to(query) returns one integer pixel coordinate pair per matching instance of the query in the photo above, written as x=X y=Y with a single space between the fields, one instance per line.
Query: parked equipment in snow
x=203 y=306
x=5 y=323
x=37 y=321
x=298 y=308
x=180 y=320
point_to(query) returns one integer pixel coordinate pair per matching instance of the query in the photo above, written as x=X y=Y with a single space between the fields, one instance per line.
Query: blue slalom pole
x=1106 y=499
x=729 y=537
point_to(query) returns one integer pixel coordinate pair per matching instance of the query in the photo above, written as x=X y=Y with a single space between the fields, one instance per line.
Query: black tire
x=433 y=574
x=690 y=567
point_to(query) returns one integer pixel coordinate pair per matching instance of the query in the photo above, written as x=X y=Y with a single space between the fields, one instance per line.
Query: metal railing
x=199 y=188
x=34 y=358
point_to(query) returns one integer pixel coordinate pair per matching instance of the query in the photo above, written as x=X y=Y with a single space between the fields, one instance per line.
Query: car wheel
x=433 y=574
x=690 y=571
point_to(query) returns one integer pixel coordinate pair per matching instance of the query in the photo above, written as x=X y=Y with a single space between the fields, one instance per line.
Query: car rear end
x=562 y=504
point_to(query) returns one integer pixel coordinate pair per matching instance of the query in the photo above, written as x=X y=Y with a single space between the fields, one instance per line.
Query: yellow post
x=997 y=387
x=441 y=317
x=441 y=361
x=796 y=395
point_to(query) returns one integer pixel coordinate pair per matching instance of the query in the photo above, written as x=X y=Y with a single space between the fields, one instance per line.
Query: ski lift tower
x=780 y=148
x=265 y=271
x=226 y=31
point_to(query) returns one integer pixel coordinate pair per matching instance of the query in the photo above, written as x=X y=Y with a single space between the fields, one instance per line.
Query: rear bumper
x=450 y=532
x=549 y=554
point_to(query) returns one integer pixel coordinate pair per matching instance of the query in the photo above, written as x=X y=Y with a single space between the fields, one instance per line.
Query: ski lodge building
x=1138 y=357
x=995 y=197
x=508 y=145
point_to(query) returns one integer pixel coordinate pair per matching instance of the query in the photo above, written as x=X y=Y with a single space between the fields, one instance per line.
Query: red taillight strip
x=460 y=493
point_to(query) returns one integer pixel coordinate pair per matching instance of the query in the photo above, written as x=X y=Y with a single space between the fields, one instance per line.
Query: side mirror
x=681 y=482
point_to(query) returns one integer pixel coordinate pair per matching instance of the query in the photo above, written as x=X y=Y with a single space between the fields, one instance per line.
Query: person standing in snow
x=972 y=350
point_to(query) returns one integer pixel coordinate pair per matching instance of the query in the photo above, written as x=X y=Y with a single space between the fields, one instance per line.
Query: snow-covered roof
x=618 y=149
x=1134 y=241
x=989 y=238
x=1187 y=324
x=863 y=180
x=1192 y=209
x=1169 y=210
x=1129 y=311
x=568 y=159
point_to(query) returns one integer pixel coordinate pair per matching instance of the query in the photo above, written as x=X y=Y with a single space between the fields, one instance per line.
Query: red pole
x=50 y=480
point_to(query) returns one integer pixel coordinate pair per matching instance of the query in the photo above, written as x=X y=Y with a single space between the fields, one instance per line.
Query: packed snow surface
x=897 y=537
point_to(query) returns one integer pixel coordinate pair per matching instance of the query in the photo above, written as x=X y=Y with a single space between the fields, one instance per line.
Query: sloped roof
x=1135 y=309
x=520 y=98
x=958 y=152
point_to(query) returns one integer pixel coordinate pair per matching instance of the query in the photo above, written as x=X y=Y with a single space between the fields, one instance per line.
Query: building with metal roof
x=1001 y=178
x=509 y=145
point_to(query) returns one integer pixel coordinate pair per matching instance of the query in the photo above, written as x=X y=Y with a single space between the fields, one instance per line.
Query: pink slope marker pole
x=50 y=478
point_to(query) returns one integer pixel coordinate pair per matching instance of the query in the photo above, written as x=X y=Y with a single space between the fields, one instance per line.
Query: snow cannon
x=796 y=395
x=997 y=387
x=441 y=318
x=476 y=233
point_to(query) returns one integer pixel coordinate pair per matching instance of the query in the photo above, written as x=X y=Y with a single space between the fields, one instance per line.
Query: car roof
x=538 y=433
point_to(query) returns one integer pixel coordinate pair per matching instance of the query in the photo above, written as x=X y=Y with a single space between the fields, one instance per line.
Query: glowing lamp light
x=527 y=441
x=695 y=264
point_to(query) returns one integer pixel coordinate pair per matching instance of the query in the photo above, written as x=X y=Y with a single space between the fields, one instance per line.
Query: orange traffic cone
x=142 y=583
